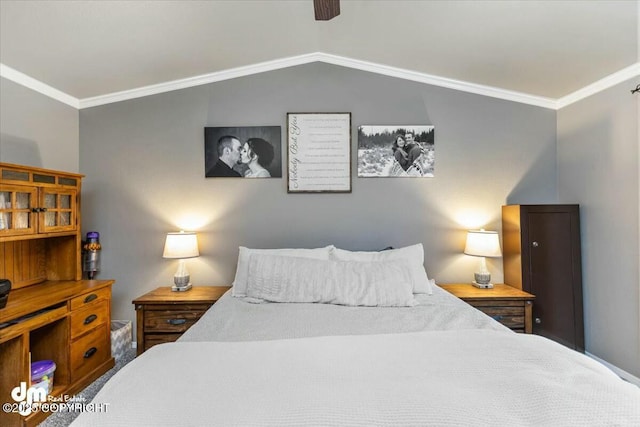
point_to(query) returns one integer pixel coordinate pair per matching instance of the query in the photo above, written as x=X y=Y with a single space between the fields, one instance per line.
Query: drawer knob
x=176 y=322
x=535 y=244
x=90 y=319
x=538 y=320
x=90 y=298
x=90 y=352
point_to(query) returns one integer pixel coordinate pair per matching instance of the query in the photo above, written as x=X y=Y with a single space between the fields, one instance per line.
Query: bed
x=435 y=362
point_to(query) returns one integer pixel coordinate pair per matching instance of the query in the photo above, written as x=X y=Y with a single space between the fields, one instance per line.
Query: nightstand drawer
x=89 y=317
x=154 y=339
x=500 y=311
x=170 y=320
x=494 y=303
x=515 y=322
x=89 y=351
x=509 y=313
x=507 y=318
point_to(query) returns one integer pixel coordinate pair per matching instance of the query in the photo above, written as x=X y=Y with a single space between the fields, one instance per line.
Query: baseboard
x=620 y=372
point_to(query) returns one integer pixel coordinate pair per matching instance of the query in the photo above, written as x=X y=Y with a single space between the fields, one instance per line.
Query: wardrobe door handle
x=90 y=352
x=90 y=319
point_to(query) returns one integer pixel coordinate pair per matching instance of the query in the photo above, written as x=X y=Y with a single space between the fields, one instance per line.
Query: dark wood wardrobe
x=542 y=256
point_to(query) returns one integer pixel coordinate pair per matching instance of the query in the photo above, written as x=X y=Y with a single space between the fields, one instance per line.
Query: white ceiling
x=543 y=48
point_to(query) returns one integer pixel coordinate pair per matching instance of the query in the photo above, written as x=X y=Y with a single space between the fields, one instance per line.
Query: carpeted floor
x=63 y=419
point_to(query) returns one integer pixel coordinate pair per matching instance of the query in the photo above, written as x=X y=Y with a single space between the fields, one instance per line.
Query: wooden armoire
x=542 y=256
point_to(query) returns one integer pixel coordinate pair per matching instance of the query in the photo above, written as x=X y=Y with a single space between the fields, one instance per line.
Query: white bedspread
x=232 y=319
x=436 y=378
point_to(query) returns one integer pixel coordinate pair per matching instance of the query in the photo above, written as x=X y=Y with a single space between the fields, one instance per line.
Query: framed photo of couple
x=319 y=152
x=243 y=152
x=396 y=151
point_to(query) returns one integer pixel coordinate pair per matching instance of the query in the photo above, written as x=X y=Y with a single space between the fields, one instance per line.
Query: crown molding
x=277 y=64
x=600 y=85
x=324 y=58
x=36 y=85
x=430 y=79
x=203 y=79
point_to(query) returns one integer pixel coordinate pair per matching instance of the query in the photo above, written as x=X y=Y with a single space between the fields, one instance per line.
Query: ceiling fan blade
x=326 y=9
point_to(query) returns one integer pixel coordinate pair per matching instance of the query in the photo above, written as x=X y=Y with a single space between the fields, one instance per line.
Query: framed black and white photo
x=243 y=152
x=319 y=152
x=396 y=151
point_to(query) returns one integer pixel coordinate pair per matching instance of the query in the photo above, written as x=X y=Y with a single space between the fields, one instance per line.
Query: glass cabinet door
x=57 y=210
x=17 y=214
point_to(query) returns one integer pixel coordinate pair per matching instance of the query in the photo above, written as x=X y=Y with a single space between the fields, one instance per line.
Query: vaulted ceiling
x=543 y=48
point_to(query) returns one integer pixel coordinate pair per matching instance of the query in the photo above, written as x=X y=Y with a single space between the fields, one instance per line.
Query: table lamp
x=483 y=244
x=181 y=246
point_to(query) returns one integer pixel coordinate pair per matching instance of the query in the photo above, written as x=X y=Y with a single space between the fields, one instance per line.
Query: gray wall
x=36 y=130
x=145 y=176
x=144 y=161
x=598 y=167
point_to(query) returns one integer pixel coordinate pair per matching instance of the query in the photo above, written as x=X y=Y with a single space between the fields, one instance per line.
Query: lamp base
x=185 y=288
x=482 y=285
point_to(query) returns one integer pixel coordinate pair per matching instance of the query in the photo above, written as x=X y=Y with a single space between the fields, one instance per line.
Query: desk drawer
x=89 y=351
x=89 y=317
x=90 y=297
x=176 y=321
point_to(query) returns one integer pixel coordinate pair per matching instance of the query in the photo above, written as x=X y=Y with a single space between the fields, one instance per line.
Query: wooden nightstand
x=508 y=305
x=163 y=315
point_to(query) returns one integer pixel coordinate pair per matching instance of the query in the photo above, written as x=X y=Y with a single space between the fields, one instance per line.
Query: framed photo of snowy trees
x=396 y=151
x=319 y=152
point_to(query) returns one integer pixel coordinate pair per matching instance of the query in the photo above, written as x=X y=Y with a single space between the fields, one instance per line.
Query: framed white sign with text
x=319 y=152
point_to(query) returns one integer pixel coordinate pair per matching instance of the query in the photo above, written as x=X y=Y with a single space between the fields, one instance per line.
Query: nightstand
x=506 y=304
x=163 y=315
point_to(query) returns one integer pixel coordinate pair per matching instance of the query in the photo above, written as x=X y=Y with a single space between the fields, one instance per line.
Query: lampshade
x=483 y=243
x=181 y=245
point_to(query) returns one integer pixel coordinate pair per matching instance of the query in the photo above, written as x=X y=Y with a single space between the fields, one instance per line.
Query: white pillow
x=414 y=255
x=303 y=280
x=242 y=270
